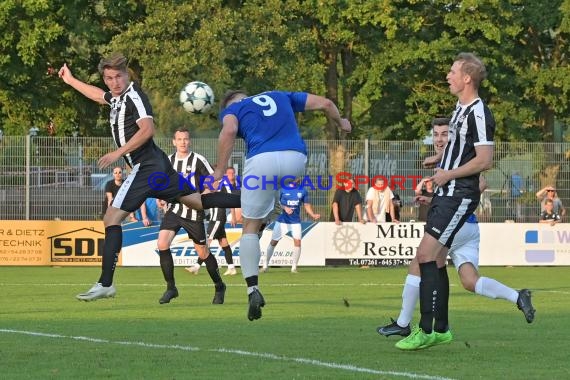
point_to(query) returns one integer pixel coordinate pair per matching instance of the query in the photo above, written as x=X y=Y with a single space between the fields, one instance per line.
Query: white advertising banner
x=386 y=244
x=139 y=247
x=530 y=244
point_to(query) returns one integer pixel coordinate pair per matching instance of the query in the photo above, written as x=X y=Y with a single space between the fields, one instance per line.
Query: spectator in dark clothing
x=345 y=202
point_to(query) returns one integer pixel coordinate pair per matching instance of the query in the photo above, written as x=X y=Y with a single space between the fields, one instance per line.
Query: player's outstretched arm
x=92 y=92
x=226 y=143
x=316 y=102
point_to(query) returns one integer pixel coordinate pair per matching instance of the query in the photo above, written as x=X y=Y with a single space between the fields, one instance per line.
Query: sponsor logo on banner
x=283 y=253
x=384 y=244
x=541 y=245
x=77 y=246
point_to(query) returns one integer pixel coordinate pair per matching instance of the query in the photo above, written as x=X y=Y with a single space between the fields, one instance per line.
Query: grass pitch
x=319 y=323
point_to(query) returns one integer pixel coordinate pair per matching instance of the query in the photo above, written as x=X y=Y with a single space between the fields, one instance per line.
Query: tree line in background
x=383 y=62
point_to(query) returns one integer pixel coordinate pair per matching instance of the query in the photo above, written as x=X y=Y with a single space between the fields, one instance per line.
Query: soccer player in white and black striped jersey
x=152 y=175
x=464 y=252
x=469 y=152
x=217 y=222
x=217 y=229
x=195 y=168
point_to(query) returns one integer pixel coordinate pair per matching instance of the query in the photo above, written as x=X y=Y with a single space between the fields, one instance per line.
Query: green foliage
x=383 y=62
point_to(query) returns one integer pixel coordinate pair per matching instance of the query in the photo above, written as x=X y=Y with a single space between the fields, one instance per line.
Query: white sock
x=491 y=288
x=268 y=255
x=296 y=255
x=231 y=266
x=249 y=253
x=410 y=297
x=251 y=289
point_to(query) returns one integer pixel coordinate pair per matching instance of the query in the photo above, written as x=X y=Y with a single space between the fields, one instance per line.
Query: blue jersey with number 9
x=267 y=123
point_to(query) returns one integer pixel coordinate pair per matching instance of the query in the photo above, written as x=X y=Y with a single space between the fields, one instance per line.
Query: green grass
x=306 y=331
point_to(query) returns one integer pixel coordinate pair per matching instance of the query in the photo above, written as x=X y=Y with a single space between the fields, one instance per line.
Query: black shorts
x=447 y=215
x=196 y=230
x=216 y=229
x=156 y=179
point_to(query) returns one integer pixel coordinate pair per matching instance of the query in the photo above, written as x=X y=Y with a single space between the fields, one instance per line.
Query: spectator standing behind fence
x=397 y=203
x=549 y=192
x=111 y=189
x=345 y=202
x=516 y=192
x=548 y=215
x=150 y=211
x=424 y=188
x=379 y=205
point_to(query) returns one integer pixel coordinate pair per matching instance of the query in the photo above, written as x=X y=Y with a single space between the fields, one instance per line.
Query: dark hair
x=472 y=66
x=440 y=121
x=181 y=129
x=116 y=61
x=229 y=96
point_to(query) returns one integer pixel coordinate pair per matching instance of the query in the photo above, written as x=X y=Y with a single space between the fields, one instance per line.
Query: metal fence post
x=366 y=158
x=28 y=163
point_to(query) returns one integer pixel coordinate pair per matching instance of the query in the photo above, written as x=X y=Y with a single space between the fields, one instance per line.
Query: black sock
x=428 y=294
x=228 y=254
x=199 y=261
x=441 y=314
x=167 y=266
x=212 y=267
x=222 y=200
x=251 y=281
x=111 y=249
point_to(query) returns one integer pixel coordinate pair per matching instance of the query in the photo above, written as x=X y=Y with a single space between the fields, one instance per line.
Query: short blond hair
x=116 y=61
x=472 y=66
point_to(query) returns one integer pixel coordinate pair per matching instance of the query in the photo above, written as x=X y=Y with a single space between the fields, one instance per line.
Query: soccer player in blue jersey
x=291 y=199
x=275 y=150
x=464 y=253
x=132 y=127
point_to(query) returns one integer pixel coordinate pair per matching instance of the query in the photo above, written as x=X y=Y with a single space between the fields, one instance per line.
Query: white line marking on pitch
x=317 y=363
x=202 y=285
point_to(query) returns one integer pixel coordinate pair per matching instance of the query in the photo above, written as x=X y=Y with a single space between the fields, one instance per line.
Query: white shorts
x=281 y=229
x=465 y=246
x=262 y=177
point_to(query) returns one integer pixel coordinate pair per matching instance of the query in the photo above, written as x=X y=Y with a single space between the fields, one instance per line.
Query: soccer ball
x=197 y=97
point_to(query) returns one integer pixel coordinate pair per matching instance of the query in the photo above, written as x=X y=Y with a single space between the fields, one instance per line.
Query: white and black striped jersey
x=220 y=214
x=195 y=169
x=471 y=125
x=126 y=109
